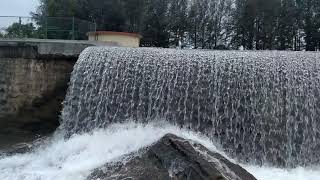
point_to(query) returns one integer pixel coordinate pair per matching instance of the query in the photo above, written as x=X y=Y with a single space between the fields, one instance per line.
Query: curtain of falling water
x=263 y=107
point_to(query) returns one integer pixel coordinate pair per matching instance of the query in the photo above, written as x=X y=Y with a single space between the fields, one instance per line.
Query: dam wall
x=34 y=76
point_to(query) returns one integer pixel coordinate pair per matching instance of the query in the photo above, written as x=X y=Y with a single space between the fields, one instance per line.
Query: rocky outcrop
x=173 y=158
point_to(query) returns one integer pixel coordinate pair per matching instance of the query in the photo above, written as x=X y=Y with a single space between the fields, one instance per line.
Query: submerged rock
x=173 y=158
x=23 y=147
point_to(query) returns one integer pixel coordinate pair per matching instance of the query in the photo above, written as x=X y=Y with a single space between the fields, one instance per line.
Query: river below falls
x=74 y=158
x=13 y=133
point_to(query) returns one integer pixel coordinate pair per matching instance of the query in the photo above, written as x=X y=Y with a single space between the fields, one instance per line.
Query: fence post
x=20 y=28
x=73 y=35
x=46 y=27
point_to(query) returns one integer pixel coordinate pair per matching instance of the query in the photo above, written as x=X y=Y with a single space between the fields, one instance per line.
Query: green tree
x=244 y=23
x=266 y=23
x=112 y=16
x=253 y=24
x=287 y=25
x=311 y=23
x=155 y=32
x=178 y=24
x=199 y=22
x=135 y=11
x=18 y=30
x=55 y=27
x=219 y=26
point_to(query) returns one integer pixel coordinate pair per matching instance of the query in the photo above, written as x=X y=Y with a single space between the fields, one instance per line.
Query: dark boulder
x=172 y=158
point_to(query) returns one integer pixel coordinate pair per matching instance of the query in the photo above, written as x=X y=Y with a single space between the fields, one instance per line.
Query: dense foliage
x=18 y=30
x=210 y=24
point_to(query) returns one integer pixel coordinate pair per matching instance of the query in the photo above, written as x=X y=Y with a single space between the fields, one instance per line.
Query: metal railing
x=45 y=28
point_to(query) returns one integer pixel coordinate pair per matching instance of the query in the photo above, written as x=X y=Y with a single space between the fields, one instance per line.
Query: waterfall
x=262 y=107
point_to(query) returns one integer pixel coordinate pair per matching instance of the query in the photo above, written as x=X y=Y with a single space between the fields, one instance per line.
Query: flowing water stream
x=262 y=107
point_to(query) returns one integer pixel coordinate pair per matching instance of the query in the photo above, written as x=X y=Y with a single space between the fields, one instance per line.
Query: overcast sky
x=17 y=7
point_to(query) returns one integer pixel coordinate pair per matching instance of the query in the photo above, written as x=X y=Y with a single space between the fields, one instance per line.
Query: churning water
x=76 y=157
x=260 y=107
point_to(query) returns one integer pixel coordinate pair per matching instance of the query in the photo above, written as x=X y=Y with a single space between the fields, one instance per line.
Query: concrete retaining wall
x=34 y=76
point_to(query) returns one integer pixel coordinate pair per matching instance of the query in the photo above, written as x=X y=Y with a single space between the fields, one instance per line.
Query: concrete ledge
x=45 y=49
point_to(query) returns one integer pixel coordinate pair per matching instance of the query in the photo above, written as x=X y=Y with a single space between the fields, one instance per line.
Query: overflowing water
x=262 y=107
x=256 y=107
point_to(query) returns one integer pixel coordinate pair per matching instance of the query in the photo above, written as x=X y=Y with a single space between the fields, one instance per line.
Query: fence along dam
x=262 y=107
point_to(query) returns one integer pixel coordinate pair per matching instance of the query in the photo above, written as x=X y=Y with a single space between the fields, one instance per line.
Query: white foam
x=76 y=157
x=269 y=173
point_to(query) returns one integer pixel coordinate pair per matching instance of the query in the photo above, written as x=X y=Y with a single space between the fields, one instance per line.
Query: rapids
x=76 y=157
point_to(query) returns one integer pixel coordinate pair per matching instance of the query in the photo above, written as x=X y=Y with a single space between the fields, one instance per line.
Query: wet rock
x=23 y=147
x=172 y=158
x=20 y=148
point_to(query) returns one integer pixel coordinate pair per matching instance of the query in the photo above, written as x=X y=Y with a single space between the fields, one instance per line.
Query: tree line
x=206 y=24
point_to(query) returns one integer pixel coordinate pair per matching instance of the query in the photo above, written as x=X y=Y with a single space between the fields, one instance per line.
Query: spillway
x=262 y=107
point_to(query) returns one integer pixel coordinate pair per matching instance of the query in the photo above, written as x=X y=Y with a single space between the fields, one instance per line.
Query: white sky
x=15 y=8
